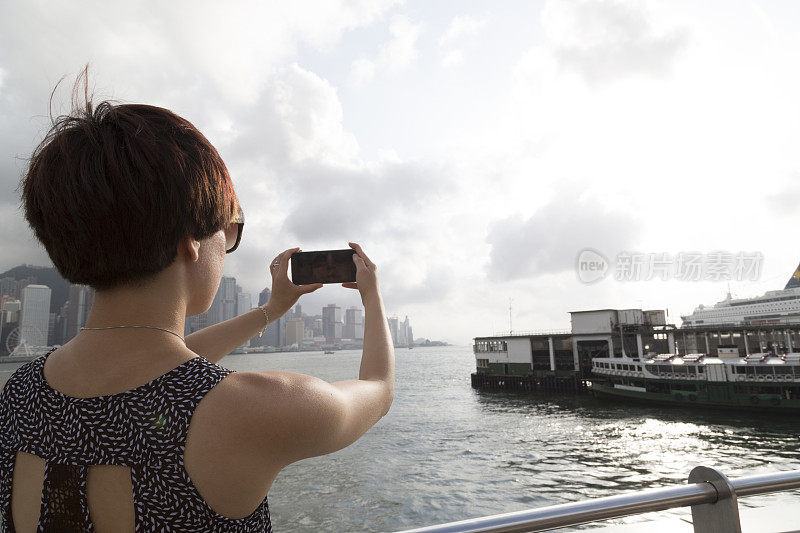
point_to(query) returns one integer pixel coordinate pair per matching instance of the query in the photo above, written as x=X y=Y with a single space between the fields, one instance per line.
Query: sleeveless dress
x=143 y=429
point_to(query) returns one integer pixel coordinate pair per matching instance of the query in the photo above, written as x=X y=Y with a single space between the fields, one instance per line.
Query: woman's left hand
x=285 y=293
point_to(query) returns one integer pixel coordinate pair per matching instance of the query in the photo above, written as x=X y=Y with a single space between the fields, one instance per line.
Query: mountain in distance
x=44 y=276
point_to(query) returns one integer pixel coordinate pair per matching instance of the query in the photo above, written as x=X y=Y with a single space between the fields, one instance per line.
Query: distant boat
x=328 y=352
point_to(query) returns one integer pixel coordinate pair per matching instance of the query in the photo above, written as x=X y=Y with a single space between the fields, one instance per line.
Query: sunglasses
x=233 y=233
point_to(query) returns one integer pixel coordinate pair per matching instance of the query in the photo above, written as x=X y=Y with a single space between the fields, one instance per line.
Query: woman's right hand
x=366 y=275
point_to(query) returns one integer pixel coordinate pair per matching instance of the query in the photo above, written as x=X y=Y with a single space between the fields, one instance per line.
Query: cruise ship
x=773 y=307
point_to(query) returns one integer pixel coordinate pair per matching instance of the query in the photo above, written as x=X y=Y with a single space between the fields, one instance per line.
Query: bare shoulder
x=285 y=415
x=279 y=396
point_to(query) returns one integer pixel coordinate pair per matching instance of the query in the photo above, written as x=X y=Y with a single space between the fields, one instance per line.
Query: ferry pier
x=562 y=361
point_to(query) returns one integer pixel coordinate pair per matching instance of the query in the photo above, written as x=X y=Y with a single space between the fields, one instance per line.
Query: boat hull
x=726 y=398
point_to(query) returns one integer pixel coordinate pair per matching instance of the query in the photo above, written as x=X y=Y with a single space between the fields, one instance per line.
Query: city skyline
x=40 y=326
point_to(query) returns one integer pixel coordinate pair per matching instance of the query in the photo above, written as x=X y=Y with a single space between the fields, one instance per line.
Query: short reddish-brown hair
x=111 y=191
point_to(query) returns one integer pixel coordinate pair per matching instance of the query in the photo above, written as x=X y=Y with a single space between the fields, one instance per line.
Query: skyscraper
x=9 y=320
x=353 y=323
x=80 y=303
x=196 y=323
x=224 y=305
x=393 y=327
x=263 y=296
x=275 y=334
x=332 y=322
x=244 y=303
x=8 y=286
x=294 y=331
x=404 y=334
x=35 y=321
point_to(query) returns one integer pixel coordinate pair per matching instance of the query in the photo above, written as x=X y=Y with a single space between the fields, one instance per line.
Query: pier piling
x=571 y=384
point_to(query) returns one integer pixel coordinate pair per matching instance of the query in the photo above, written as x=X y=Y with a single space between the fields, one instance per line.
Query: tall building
x=80 y=303
x=317 y=327
x=224 y=305
x=405 y=336
x=244 y=303
x=393 y=328
x=12 y=307
x=275 y=334
x=353 y=323
x=332 y=322
x=35 y=321
x=9 y=321
x=196 y=323
x=60 y=336
x=263 y=296
x=8 y=286
x=295 y=327
x=51 y=328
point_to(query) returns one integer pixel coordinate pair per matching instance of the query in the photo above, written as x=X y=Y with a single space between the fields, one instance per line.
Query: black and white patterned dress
x=143 y=429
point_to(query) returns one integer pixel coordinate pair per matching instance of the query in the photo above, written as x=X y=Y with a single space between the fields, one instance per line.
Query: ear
x=190 y=249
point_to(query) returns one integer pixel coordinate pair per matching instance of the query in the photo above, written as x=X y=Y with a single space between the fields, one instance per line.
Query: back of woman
x=131 y=426
x=142 y=430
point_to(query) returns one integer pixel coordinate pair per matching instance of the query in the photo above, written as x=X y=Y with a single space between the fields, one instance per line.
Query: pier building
x=562 y=360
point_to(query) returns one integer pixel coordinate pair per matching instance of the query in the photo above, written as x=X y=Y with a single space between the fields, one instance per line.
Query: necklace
x=151 y=327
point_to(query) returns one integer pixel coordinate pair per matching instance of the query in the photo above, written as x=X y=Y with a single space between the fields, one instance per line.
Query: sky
x=474 y=149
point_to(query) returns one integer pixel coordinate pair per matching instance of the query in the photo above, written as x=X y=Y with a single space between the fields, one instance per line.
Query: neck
x=158 y=304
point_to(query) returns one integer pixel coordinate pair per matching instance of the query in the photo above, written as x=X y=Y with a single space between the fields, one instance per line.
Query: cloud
x=452 y=58
x=223 y=67
x=610 y=39
x=785 y=202
x=395 y=55
x=549 y=241
x=362 y=71
x=459 y=27
x=309 y=107
x=303 y=181
x=370 y=200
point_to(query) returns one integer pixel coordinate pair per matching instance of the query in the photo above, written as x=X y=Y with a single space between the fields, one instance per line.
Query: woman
x=129 y=426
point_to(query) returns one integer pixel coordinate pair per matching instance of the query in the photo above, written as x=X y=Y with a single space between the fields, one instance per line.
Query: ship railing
x=529 y=333
x=712 y=496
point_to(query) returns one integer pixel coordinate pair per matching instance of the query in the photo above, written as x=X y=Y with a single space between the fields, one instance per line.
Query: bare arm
x=217 y=341
x=377 y=359
x=301 y=416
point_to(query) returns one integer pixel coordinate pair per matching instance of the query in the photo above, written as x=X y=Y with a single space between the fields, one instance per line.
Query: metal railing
x=711 y=495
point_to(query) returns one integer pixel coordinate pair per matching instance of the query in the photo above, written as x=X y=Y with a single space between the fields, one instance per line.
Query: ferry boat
x=761 y=381
x=773 y=307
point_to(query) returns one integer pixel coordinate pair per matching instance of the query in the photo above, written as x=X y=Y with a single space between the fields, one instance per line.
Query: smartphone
x=326 y=266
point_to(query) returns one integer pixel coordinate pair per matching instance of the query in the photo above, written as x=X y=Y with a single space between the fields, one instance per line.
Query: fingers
x=350 y=285
x=305 y=289
x=283 y=267
x=272 y=268
x=360 y=264
x=360 y=252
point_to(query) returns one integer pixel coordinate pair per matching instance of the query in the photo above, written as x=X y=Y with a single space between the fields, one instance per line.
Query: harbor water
x=448 y=452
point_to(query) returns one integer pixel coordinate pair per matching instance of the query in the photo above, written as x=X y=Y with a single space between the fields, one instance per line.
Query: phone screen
x=327 y=266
